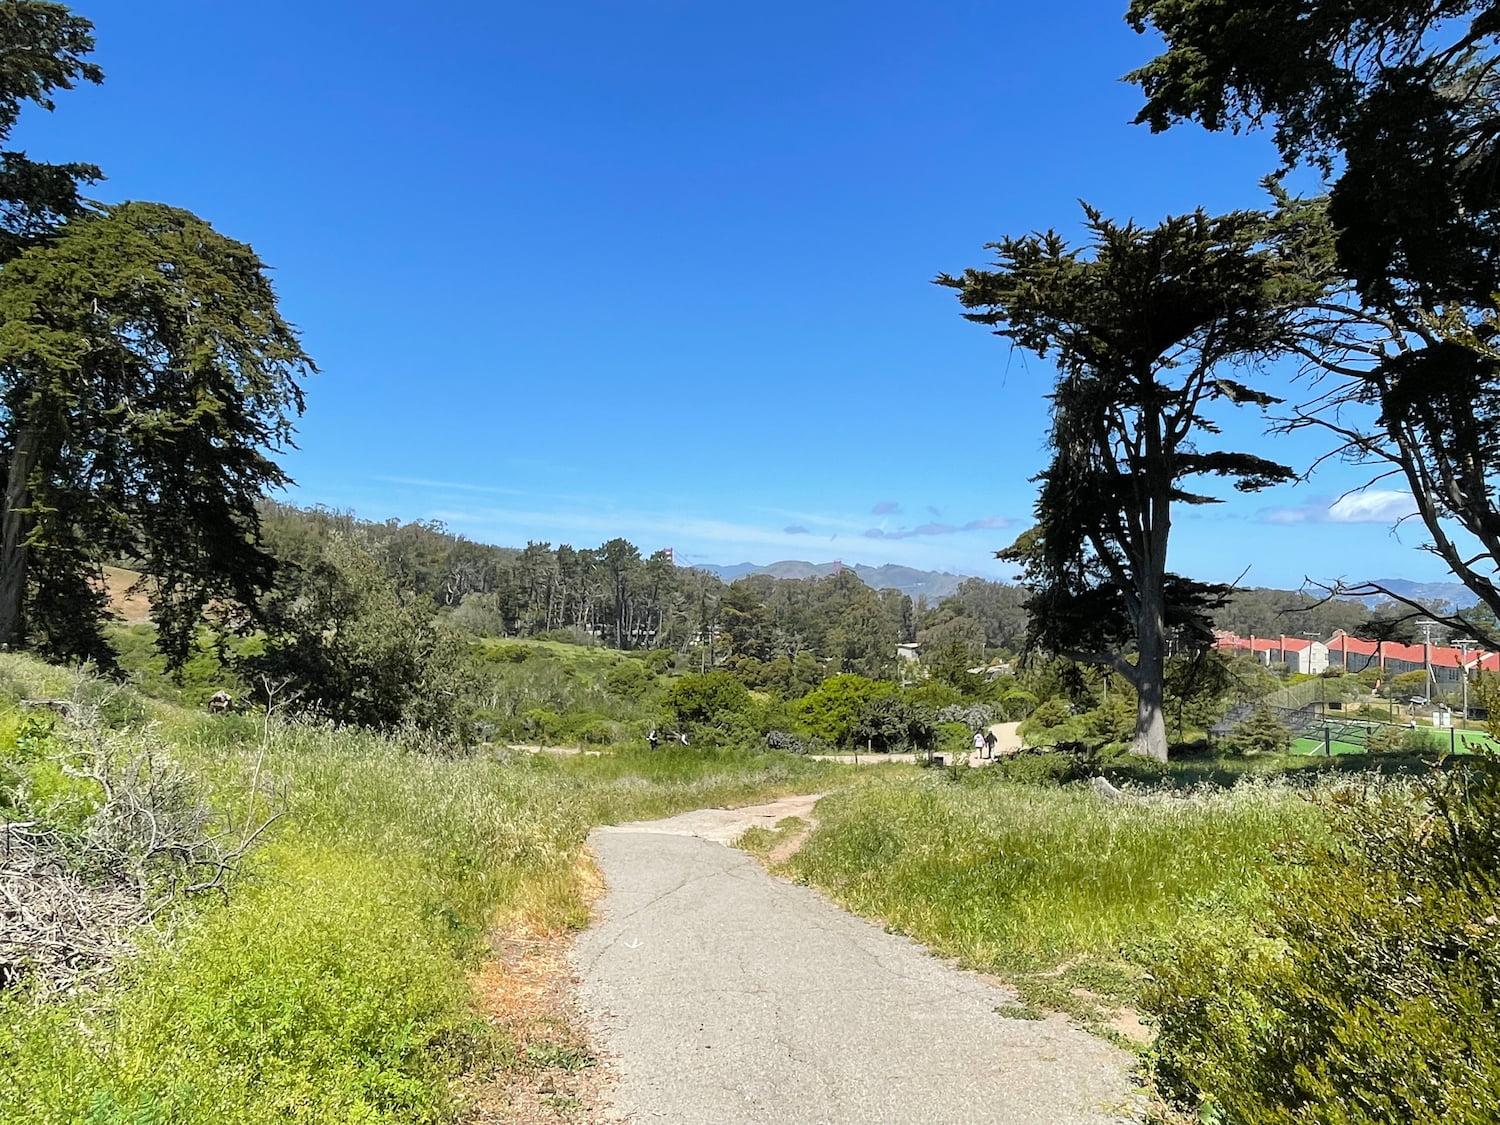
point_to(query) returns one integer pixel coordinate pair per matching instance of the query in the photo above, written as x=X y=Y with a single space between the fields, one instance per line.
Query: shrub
x=707 y=699
x=889 y=723
x=1047 y=723
x=1050 y=768
x=1405 y=685
x=953 y=739
x=659 y=660
x=360 y=651
x=1370 y=991
x=480 y=615
x=792 y=743
x=831 y=710
x=975 y=716
x=935 y=695
x=1017 y=704
x=629 y=679
x=1261 y=733
x=1388 y=738
x=598 y=732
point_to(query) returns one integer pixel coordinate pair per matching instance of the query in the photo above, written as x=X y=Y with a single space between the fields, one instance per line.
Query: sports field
x=1470 y=740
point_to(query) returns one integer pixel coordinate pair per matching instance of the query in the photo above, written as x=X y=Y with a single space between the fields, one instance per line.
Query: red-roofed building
x=1354 y=654
x=1300 y=654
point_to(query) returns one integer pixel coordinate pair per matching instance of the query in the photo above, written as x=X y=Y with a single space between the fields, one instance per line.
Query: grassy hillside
x=331 y=984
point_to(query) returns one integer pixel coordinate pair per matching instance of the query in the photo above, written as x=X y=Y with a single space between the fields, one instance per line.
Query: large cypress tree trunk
x=1150 y=739
x=15 y=525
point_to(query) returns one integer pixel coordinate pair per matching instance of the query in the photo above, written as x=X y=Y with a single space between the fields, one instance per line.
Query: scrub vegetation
x=331 y=982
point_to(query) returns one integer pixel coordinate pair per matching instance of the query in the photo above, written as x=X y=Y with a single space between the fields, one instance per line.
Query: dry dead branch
x=74 y=900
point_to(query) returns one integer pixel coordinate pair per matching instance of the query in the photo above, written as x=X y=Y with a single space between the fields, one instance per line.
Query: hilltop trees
x=1398 y=104
x=1144 y=329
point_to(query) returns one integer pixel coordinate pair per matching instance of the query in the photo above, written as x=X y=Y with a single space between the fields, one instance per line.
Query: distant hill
x=1455 y=594
x=934 y=585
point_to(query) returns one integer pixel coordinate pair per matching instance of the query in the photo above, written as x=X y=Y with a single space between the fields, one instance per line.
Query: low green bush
x=707 y=699
x=1262 y=732
x=1369 y=990
x=831 y=711
x=1040 y=768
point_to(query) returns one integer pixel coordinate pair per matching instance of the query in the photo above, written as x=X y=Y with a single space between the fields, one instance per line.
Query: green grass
x=1466 y=741
x=1061 y=892
x=764 y=841
x=331 y=986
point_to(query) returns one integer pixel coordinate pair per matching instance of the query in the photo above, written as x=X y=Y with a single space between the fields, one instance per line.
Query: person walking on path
x=652 y=738
x=978 y=745
x=989 y=743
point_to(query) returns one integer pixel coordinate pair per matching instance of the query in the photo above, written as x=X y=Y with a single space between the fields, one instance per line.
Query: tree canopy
x=146 y=378
x=1397 y=103
x=1146 y=328
x=43 y=49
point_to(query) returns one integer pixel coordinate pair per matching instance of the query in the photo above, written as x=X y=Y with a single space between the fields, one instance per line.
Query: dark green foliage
x=343 y=641
x=781 y=636
x=1396 y=102
x=629 y=680
x=145 y=373
x=1392 y=739
x=1048 y=768
x=1372 y=990
x=1262 y=733
x=891 y=723
x=145 y=377
x=44 y=48
x=1259 y=612
x=997 y=608
x=709 y=699
x=1144 y=329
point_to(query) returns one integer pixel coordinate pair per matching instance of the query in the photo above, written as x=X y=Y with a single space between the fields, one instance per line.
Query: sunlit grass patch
x=1056 y=889
x=336 y=981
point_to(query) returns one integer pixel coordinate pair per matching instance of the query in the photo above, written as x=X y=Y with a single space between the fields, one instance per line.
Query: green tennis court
x=1473 y=739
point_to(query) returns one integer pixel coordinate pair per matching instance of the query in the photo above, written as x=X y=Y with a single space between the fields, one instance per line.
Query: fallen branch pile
x=82 y=876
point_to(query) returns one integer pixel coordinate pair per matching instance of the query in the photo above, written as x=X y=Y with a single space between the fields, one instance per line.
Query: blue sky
x=662 y=269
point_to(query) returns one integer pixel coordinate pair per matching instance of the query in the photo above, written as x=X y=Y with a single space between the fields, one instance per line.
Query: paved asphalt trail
x=720 y=994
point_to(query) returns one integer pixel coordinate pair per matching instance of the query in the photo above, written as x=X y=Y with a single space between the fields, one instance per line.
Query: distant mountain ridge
x=1456 y=594
x=934 y=585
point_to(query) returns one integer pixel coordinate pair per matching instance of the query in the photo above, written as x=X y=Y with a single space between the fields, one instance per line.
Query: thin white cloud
x=1374 y=505
x=986 y=523
x=698 y=537
x=1377 y=505
x=452 y=486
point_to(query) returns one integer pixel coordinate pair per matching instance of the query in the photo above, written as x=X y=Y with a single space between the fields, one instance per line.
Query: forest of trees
x=617 y=596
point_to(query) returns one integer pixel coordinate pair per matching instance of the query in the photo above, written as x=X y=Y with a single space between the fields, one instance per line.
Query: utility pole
x=1463 y=672
x=1426 y=627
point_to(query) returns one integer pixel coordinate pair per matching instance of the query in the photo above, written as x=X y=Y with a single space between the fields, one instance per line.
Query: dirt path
x=721 y=994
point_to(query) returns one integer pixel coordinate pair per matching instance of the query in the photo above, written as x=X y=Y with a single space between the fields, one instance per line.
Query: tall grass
x=332 y=983
x=1060 y=890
